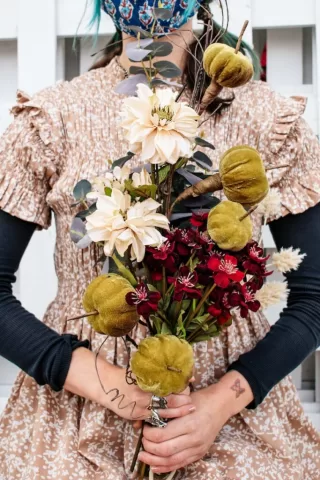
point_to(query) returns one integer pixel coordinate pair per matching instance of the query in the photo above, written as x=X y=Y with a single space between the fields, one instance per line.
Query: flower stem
x=195 y=333
x=194 y=313
x=90 y=314
x=138 y=448
x=164 y=283
x=246 y=23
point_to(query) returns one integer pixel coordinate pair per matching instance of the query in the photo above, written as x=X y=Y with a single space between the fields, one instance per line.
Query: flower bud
x=227 y=228
x=106 y=294
x=163 y=365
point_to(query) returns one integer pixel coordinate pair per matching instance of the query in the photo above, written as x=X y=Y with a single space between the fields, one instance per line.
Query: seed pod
x=106 y=294
x=163 y=365
x=227 y=227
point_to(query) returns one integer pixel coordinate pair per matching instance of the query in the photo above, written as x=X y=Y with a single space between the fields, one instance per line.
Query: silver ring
x=157 y=402
x=155 y=420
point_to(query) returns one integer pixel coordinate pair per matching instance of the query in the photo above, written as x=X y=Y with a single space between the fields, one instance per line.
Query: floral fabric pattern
x=68 y=132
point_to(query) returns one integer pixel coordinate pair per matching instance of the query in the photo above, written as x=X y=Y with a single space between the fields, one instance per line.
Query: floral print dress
x=66 y=133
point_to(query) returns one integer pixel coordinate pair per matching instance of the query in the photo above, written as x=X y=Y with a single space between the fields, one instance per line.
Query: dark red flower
x=253 y=260
x=145 y=300
x=199 y=220
x=162 y=252
x=225 y=270
x=220 y=308
x=222 y=316
x=185 y=284
x=256 y=253
x=243 y=298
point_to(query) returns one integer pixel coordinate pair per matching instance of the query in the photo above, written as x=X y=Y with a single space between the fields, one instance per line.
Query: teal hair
x=96 y=14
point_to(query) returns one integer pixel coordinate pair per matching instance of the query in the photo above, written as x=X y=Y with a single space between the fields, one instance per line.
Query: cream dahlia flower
x=120 y=225
x=142 y=178
x=159 y=128
x=113 y=179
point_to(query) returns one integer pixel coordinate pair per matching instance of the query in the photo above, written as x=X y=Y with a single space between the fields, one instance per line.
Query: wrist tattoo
x=236 y=387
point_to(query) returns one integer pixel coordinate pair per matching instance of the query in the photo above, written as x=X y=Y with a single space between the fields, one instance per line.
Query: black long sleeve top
x=45 y=355
x=27 y=342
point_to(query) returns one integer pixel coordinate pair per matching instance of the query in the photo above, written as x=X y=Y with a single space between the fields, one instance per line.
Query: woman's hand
x=186 y=440
x=127 y=401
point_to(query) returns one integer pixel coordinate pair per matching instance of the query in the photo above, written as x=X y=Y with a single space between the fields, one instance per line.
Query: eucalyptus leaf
x=144 y=191
x=84 y=242
x=160 y=49
x=190 y=177
x=201 y=201
x=155 y=82
x=143 y=33
x=89 y=211
x=167 y=69
x=129 y=85
x=162 y=13
x=163 y=173
x=137 y=51
x=204 y=143
x=78 y=233
x=81 y=189
x=134 y=70
x=178 y=216
x=123 y=160
x=202 y=159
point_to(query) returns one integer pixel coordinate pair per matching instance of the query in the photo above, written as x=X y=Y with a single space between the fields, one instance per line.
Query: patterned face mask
x=139 y=13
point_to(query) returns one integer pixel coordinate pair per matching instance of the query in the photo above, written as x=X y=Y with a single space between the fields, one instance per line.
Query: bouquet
x=175 y=258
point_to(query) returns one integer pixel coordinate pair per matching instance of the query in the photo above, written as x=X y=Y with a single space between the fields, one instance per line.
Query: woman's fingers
x=175 y=428
x=168 y=464
x=177 y=412
x=175 y=401
x=168 y=448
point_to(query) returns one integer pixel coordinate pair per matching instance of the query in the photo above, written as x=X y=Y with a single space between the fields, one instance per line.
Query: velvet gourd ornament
x=106 y=295
x=163 y=365
x=227 y=67
x=243 y=176
x=229 y=227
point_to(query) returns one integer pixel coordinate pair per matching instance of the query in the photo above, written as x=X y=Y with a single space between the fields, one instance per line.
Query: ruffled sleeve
x=293 y=155
x=29 y=162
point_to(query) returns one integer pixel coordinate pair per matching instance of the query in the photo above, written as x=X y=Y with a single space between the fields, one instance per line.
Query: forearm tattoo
x=236 y=387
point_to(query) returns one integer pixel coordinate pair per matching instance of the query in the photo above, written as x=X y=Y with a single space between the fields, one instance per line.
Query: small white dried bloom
x=142 y=178
x=272 y=293
x=270 y=205
x=287 y=259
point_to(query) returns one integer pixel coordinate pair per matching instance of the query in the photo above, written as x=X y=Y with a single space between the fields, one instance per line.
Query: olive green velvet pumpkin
x=225 y=227
x=163 y=365
x=243 y=176
x=226 y=67
x=106 y=294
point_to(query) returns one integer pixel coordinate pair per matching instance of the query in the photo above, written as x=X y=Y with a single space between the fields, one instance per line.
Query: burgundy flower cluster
x=194 y=266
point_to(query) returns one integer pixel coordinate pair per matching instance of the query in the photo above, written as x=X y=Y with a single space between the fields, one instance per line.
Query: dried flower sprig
x=272 y=293
x=287 y=259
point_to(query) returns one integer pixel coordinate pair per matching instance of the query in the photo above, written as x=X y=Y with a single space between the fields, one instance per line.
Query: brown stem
x=137 y=450
x=277 y=166
x=244 y=28
x=209 y=95
x=142 y=471
x=205 y=297
x=251 y=210
x=195 y=333
x=208 y=185
x=90 y=314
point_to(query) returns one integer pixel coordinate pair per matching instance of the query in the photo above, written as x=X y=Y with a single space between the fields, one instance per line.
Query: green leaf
x=181 y=331
x=145 y=191
x=202 y=159
x=162 y=13
x=204 y=143
x=163 y=173
x=89 y=211
x=152 y=288
x=123 y=160
x=185 y=304
x=124 y=271
x=167 y=69
x=157 y=323
x=81 y=189
x=160 y=49
x=165 y=330
x=108 y=191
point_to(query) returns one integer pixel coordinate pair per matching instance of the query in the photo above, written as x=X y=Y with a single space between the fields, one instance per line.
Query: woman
x=244 y=419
